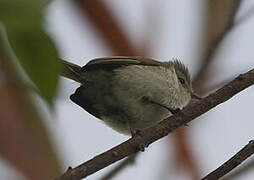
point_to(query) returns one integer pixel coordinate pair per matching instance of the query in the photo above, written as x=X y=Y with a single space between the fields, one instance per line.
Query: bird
x=130 y=94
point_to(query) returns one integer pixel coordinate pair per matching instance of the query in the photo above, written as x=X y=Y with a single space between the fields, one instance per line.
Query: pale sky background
x=214 y=137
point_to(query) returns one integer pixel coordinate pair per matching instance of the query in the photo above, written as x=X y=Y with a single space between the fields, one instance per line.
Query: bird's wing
x=118 y=61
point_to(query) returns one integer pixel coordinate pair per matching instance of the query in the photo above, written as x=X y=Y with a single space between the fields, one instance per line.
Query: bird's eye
x=182 y=81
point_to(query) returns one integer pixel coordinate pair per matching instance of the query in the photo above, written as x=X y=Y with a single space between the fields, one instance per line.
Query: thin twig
x=198 y=80
x=162 y=129
x=208 y=60
x=104 y=21
x=184 y=153
x=232 y=163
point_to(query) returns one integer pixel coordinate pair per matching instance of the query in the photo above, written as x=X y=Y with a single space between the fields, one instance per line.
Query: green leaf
x=38 y=56
x=33 y=48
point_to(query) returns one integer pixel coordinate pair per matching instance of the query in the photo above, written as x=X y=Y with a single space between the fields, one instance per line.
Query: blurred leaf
x=33 y=48
x=39 y=58
x=25 y=142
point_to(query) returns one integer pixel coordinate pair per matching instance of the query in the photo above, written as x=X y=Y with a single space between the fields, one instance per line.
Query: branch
x=249 y=166
x=184 y=153
x=162 y=129
x=232 y=163
x=213 y=45
x=106 y=23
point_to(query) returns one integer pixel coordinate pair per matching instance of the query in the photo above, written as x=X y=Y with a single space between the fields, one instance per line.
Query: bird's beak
x=195 y=96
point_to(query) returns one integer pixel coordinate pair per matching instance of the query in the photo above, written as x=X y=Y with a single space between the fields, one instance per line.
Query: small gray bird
x=130 y=93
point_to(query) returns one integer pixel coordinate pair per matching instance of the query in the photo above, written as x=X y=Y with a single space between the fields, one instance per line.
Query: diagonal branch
x=246 y=168
x=236 y=160
x=106 y=24
x=162 y=129
x=216 y=35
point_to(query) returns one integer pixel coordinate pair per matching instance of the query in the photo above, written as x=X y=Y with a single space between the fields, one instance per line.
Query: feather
x=119 y=61
x=179 y=66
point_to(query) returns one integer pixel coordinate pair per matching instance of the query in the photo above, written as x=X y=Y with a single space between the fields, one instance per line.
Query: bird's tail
x=71 y=71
